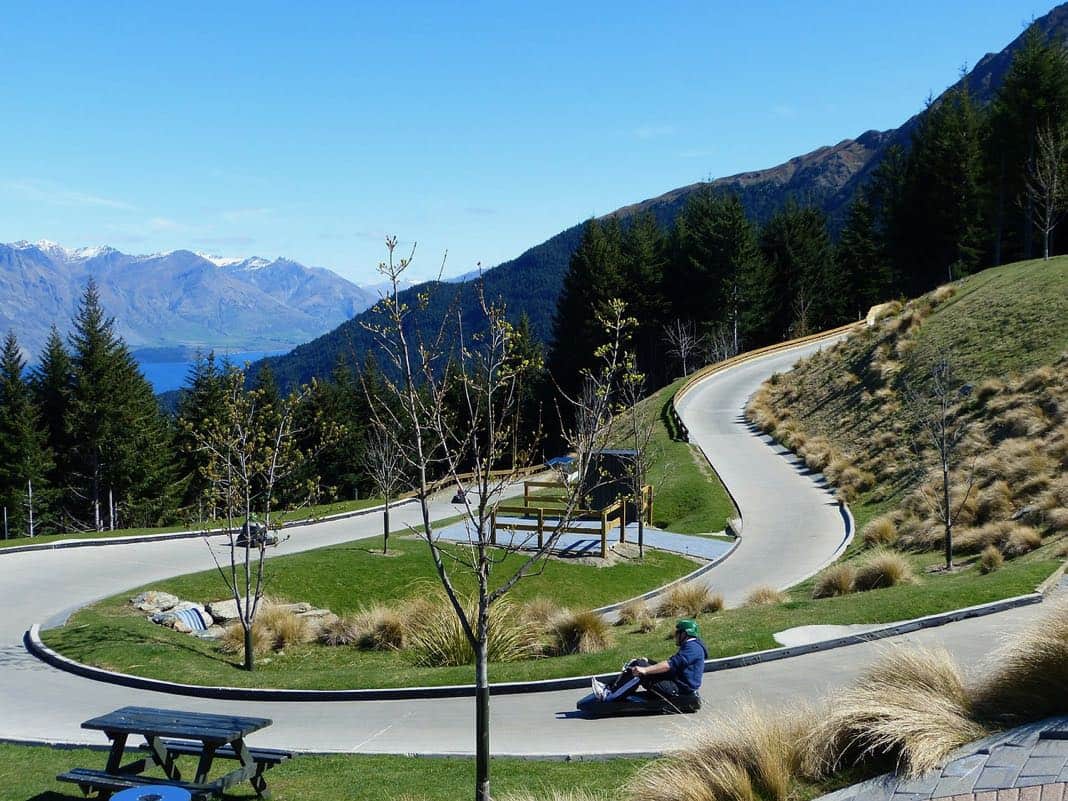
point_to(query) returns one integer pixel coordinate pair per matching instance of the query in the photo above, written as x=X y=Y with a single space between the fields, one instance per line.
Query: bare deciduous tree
x=721 y=343
x=384 y=463
x=249 y=451
x=637 y=431
x=683 y=343
x=453 y=411
x=1045 y=182
x=941 y=430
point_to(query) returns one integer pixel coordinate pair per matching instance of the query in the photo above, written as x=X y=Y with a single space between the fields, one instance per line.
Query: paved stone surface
x=1018 y=765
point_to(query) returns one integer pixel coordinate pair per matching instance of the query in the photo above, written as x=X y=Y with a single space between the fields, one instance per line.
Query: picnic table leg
x=204 y=765
x=162 y=757
x=118 y=747
x=259 y=784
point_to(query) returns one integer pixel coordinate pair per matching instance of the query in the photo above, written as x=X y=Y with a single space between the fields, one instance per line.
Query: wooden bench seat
x=265 y=756
x=89 y=780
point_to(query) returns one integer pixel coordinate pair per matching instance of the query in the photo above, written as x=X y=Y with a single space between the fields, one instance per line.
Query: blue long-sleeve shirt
x=688 y=664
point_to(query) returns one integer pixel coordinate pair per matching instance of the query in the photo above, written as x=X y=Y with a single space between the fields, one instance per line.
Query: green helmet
x=688 y=626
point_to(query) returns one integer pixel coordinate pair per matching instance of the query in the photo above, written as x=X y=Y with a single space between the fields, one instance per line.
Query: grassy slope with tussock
x=845 y=411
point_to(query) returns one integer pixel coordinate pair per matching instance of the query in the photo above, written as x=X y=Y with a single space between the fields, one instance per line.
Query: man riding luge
x=676 y=678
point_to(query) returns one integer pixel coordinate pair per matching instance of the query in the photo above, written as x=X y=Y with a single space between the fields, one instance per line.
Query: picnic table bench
x=171 y=734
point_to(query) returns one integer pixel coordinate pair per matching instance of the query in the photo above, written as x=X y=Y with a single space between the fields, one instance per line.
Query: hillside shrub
x=835 y=580
x=880 y=531
x=882 y=568
x=689 y=600
x=583 y=632
x=765 y=595
x=990 y=559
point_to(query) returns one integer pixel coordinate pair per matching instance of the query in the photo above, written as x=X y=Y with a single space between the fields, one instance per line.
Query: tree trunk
x=29 y=498
x=385 y=527
x=482 y=708
x=250 y=664
x=948 y=515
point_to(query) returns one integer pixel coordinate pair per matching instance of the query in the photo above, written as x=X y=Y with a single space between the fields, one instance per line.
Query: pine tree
x=201 y=400
x=644 y=257
x=25 y=459
x=803 y=288
x=593 y=278
x=51 y=383
x=717 y=265
x=942 y=205
x=120 y=450
x=863 y=268
x=1033 y=95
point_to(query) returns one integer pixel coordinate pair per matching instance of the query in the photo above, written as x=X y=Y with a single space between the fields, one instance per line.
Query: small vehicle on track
x=638 y=702
x=256 y=535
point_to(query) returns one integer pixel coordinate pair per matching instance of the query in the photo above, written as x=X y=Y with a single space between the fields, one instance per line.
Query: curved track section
x=790 y=529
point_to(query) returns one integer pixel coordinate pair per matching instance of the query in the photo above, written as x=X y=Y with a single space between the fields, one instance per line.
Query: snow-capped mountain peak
x=248 y=263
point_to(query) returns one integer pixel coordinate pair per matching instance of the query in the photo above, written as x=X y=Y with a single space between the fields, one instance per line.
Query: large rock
x=224 y=611
x=154 y=601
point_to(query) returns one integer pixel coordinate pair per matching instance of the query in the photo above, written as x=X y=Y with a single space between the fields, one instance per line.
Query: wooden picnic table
x=170 y=734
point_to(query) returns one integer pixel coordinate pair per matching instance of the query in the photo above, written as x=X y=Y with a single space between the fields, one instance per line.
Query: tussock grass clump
x=689 y=600
x=340 y=631
x=993 y=502
x=1027 y=678
x=817 y=453
x=232 y=640
x=911 y=706
x=943 y=293
x=637 y=614
x=990 y=560
x=555 y=795
x=283 y=627
x=835 y=580
x=539 y=612
x=440 y=641
x=583 y=632
x=749 y=754
x=1022 y=539
x=880 y=531
x=882 y=568
x=381 y=628
x=765 y=595
x=1056 y=520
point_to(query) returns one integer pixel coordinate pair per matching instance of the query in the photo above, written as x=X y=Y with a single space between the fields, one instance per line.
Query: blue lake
x=165 y=376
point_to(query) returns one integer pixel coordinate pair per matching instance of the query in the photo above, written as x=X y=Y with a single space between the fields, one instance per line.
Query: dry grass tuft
x=382 y=628
x=1027 y=678
x=439 y=639
x=1056 y=520
x=555 y=795
x=910 y=706
x=880 y=531
x=1022 y=539
x=765 y=595
x=232 y=640
x=284 y=628
x=835 y=580
x=340 y=631
x=634 y=613
x=991 y=559
x=539 y=612
x=750 y=754
x=689 y=600
x=882 y=568
x=583 y=632
x=943 y=293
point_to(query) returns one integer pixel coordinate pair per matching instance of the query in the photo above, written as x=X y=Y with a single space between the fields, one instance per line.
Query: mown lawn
x=111 y=635
x=26 y=774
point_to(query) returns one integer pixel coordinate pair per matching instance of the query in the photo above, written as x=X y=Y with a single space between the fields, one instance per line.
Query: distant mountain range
x=828 y=178
x=174 y=300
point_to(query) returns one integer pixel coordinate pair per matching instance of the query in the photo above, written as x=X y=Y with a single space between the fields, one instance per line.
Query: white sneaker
x=599 y=689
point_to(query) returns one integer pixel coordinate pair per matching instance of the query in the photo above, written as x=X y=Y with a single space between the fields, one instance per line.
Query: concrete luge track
x=792 y=526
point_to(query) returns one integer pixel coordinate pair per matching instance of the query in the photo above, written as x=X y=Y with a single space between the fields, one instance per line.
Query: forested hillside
x=954 y=204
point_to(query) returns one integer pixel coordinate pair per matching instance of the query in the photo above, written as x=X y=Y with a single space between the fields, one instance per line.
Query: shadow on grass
x=84 y=643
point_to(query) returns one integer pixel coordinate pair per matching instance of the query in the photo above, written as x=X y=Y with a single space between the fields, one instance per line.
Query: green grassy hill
x=850 y=411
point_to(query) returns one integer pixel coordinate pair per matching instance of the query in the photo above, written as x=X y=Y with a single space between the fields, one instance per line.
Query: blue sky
x=312 y=130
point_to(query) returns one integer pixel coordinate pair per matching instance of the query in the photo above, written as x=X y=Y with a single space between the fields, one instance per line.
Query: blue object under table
x=169 y=735
x=154 y=792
